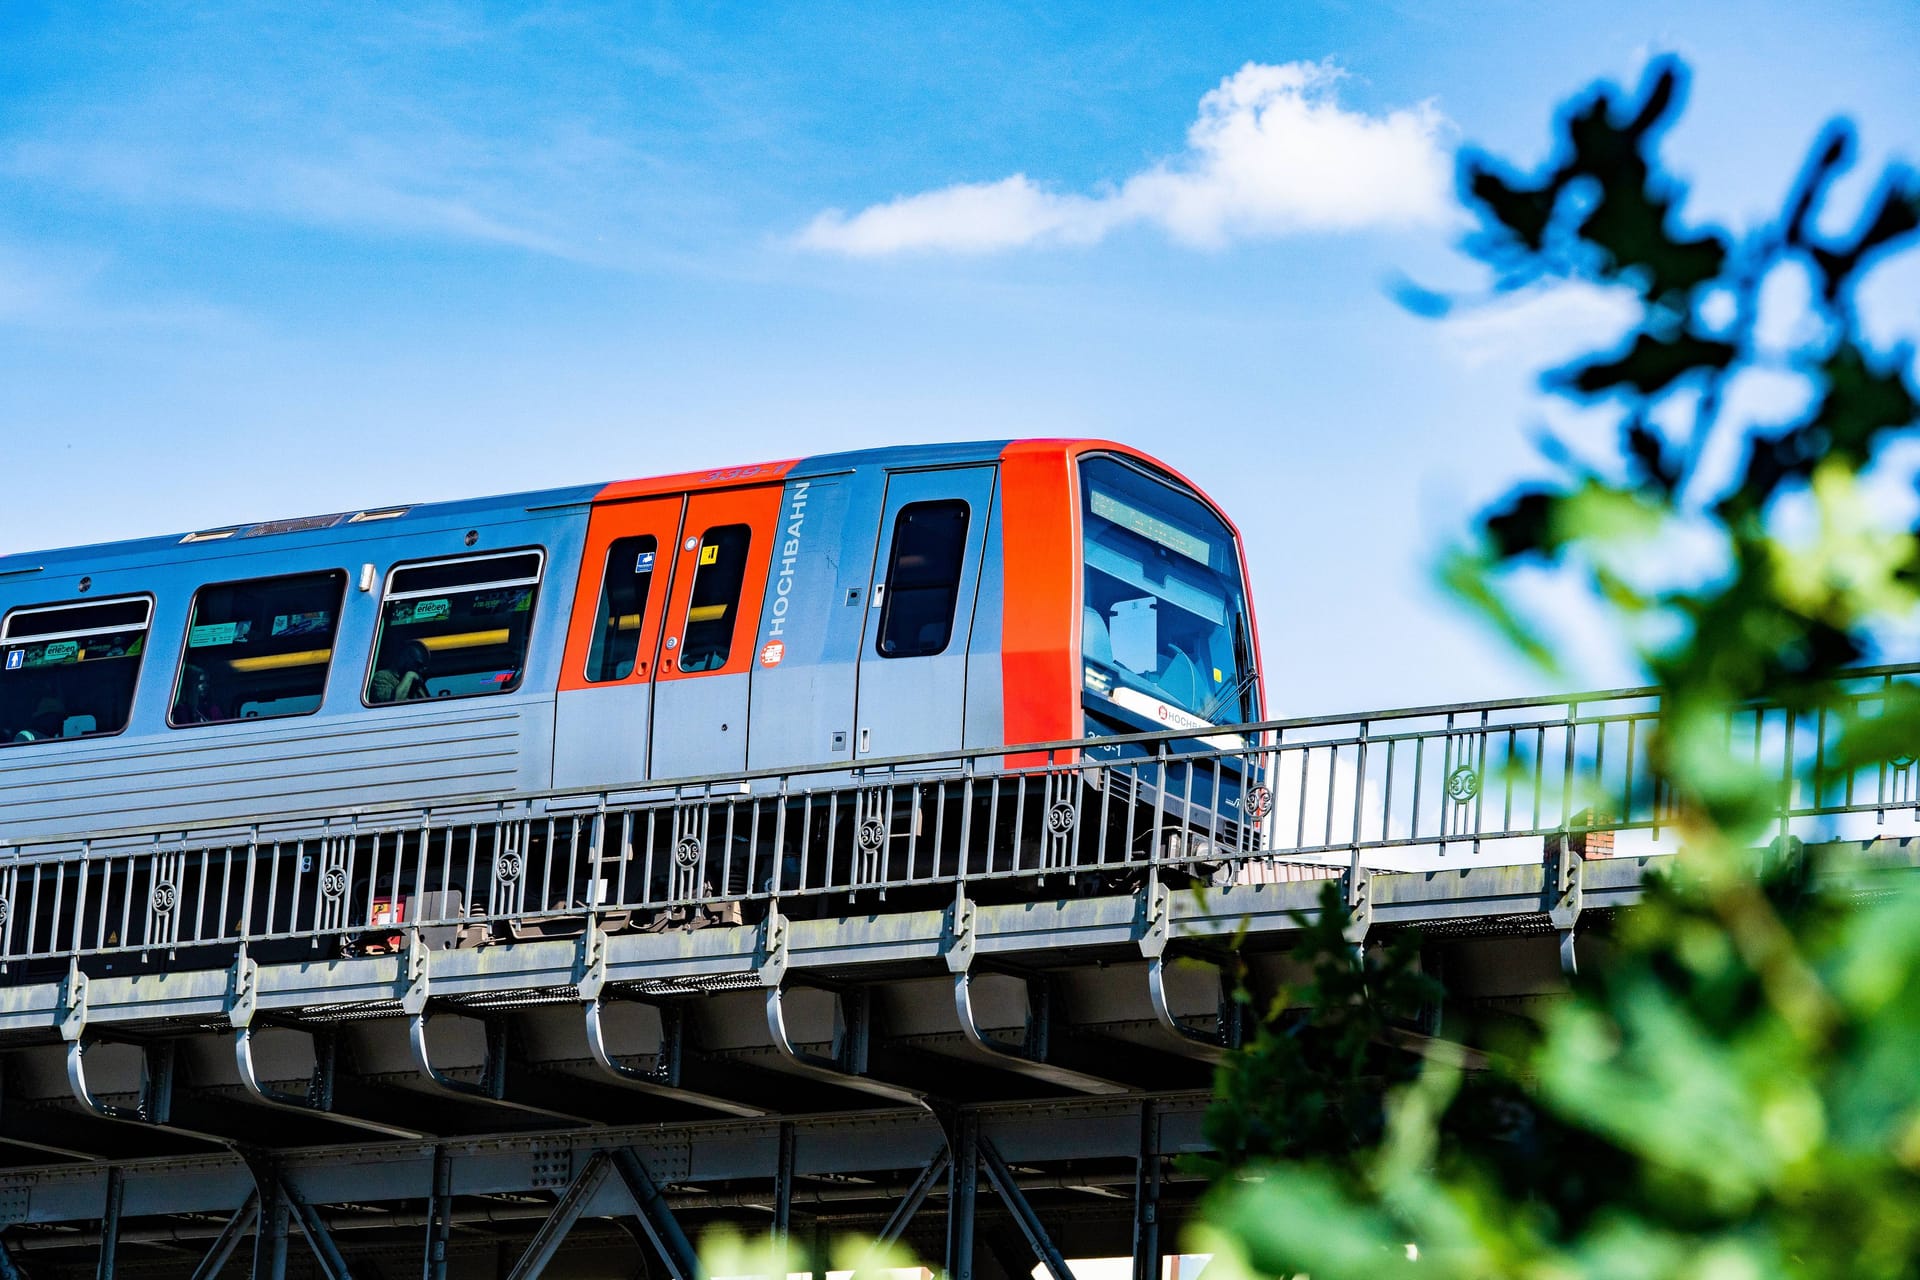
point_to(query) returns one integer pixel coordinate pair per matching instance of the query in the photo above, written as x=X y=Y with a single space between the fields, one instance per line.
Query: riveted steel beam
x=439 y=1216
x=657 y=1218
x=916 y=1195
x=244 y=1219
x=848 y=1068
x=110 y=1222
x=566 y=1211
x=963 y=1195
x=783 y=1187
x=270 y=1241
x=319 y=1238
x=1044 y=1250
x=1146 y=1197
x=664 y=1080
x=1029 y=1058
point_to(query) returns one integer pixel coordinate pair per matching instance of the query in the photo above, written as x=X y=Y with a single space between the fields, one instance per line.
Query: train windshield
x=1165 y=630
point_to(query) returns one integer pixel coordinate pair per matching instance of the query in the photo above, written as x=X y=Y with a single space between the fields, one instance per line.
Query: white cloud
x=1272 y=153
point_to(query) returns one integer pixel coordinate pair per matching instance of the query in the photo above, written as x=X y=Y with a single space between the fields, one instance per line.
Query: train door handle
x=866 y=741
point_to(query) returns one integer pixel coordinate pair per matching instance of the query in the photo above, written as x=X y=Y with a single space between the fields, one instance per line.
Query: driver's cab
x=1166 y=636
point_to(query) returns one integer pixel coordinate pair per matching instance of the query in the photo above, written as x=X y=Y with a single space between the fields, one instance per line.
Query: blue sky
x=272 y=260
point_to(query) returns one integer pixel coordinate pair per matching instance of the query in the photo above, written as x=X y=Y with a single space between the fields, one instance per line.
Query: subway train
x=816 y=613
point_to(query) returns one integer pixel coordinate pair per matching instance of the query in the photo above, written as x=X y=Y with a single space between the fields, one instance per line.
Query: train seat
x=1178 y=678
x=1096 y=641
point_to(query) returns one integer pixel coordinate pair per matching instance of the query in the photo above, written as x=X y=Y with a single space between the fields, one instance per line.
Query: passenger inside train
x=455 y=628
x=406 y=679
x=194 y=704
x=68 y=671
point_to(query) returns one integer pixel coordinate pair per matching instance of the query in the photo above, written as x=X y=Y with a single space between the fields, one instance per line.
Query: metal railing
x=1284 y=799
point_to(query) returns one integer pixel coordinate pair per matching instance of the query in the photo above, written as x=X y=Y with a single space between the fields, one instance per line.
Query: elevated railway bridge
x=968 y=1004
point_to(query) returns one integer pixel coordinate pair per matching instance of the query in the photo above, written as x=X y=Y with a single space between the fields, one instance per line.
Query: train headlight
x=1183 y=845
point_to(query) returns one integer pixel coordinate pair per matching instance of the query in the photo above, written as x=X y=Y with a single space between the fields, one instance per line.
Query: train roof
x=348 y=525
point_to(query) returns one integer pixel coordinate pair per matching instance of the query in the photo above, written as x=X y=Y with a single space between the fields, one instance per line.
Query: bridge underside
x=991 y=1085
x=971 y=1008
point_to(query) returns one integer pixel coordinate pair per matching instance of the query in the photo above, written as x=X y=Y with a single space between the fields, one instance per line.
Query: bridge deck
x=810 y=1001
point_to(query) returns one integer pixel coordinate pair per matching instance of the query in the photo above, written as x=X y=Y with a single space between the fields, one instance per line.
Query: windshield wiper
x=1222 y=698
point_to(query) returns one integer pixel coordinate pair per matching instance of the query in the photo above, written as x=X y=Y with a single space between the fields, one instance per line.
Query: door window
x=923 y=579
x=713 y=607
x=623 y=608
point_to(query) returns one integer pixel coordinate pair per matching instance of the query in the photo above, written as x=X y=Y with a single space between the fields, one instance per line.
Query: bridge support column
x=1146 y=1198
x=1359 y=893
x=281 y=1203
x=270 y=1241
x=156 y=1064
x=664 y=1080
x=110 y=1221
x=783 y=1189
x=242 y=1005
x=1156 y=933
x=961 y=1194
x=439 y=1215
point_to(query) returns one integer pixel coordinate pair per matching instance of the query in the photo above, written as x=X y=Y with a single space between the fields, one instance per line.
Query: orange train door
x=713 y=616
x=603 y=713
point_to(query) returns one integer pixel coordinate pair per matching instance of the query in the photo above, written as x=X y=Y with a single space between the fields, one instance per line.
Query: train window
x=714 y=605
x=923 y=579
x=259 y=649
x=69 y=670
x=623 y=605
x=1164 y=617
x=454 y=628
